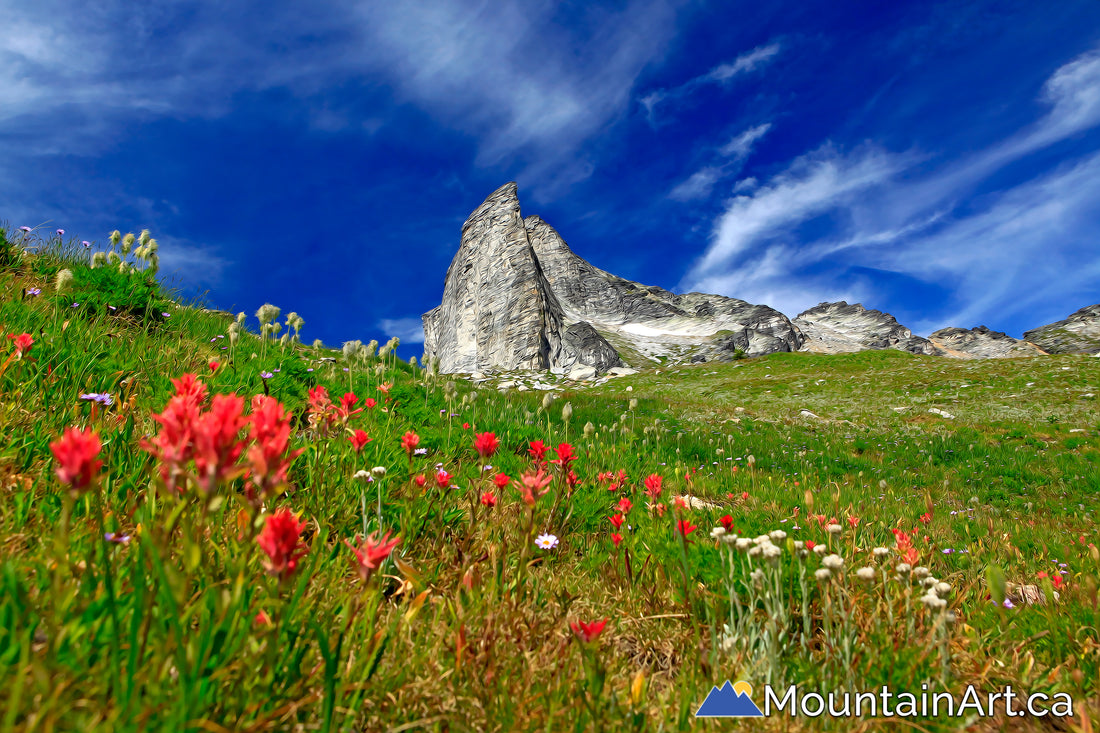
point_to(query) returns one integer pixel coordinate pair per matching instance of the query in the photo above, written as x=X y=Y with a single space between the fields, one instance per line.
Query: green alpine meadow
x=209 y=523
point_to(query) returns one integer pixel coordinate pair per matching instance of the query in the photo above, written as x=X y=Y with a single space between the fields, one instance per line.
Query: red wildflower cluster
x=532 y=485
x=727 y=523
x=443 y=479
x=371 y=553
x=344 y=410
x=281 y=540
x=617 y=521
x=322 y=413
x=23 y=343
x=270 y=455
x=853 y=522
x=565 y=455
x=359 y=440
x=217 y=445
x=409 y=442
x=614 y=481
x=625 y=505
x=538 y=451
x=653 y=485
x=175 y=443
x=501 y=480
x=616 y=538
x=489 y=499
x=926 y=518
x=76 y=452
x=685 y=527
x=905 y=548
x=486 y=444
x=588 y=632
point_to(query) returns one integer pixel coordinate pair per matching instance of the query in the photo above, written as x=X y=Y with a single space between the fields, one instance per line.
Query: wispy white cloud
x=742 y=144
x=409 y=330
x=1008 y=251
x=701 y=183
x=529 y=90
x=722 y=74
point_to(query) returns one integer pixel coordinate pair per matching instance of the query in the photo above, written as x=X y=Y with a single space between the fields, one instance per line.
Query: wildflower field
x=206 y=524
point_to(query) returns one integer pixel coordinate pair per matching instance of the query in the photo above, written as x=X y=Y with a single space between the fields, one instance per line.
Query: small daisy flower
x=546 y=541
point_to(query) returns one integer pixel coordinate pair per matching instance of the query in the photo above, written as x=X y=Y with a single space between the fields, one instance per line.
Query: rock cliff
x=981 y=343
x=836 y=328
x=517 y=297
x=1077 y=334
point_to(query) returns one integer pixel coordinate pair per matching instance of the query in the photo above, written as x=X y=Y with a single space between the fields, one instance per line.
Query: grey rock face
x=834 y=328
x=584 y=345
x=517 y=297
x=981 y=343
x=497 y=309
x=1078 y=334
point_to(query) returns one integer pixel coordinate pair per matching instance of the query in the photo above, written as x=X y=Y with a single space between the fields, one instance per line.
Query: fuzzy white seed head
x=378 y=471
x=822 y=574
x=241 y=318
x=99 y=259
x=904 y=568
x=833 y=562
x=633 y=403
x=116 y=237
x=942 y=589
x=920 y=572
x=589 y=430
x=567 y=412
x=64 y=280
x=881 y=551
x=820 y=549
x=866 y=574
x=361 y=475
x=351 y=349
x=777 y=535
x=744 y=544
x=833 y=529
x=717 y=532
x=267 y=313
x=143 y=238
x=547 y=401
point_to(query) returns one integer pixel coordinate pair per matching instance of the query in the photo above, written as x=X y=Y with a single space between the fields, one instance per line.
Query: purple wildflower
x=116 y=537
x=25 y=230
x=1009 y=603
x=86 y=244
x=61 y=232
x=266 y=375
x=34 y=291
x=103 y=398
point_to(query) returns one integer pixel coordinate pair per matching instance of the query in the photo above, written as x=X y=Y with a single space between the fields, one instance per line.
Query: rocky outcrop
x=497 y=307
x=836 y=328
x=1077 y=334
x=517 y=297
x=981 y=343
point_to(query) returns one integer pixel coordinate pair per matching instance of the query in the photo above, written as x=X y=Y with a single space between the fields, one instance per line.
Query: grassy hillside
x=231 y=564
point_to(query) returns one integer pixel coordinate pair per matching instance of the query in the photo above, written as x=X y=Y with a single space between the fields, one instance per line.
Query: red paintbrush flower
x=653 y=485
x=358 y=440
x=443 y=479
x=269 y=455
x=372 y=553
x=617 y=521
x=565 y=455
x=421 y=480
x=76 y=452
x=370 y=402
x=501 y=480
x=409 y=442
x=322 y=413
x=533 y=486
x=217 y=445
x=685 y=527
x=538 y=451
x=344 y=411
x=625 y=505
x=489 y=499
x=486 y=444
x=616 y=538
x=727 y=523
x=22 y=342
x=588 y=632
x=281 y=540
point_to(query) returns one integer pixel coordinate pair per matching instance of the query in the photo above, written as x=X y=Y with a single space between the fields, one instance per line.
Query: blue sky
x=937 y=161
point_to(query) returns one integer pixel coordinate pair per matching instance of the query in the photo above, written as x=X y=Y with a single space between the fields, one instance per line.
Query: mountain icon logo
x=729 y=701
